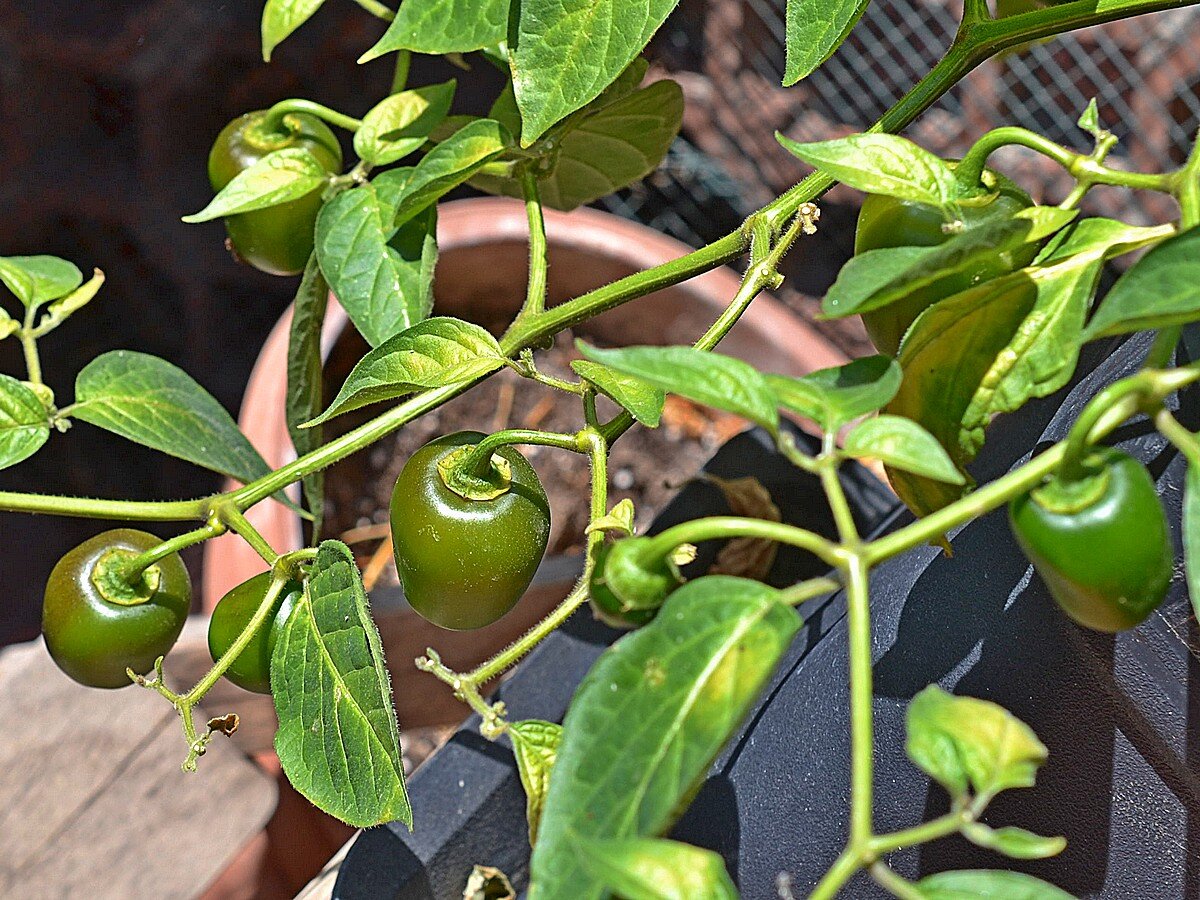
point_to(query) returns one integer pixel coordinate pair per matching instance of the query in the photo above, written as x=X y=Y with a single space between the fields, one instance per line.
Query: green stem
x=138 y=564
x=33 y=363
x=942 y=826
x=832 y=485
x=720 y=527
x=1185 y=442
x=899 y=886
x=535 y=296
x=88 y=508
x=377 y=9
x=400 y=72
x=274 y=120
x=478 y=462
x=807 y=590
x=485 y=672
x=1084 y=167
x=837 y=875
x=233 y=518
x=202 y=687
x=862 y=750
x=1165 y=341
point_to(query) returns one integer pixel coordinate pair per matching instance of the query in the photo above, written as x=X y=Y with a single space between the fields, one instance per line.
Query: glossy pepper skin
x=888 y=222
x=252 y=668
x=92 y=639
x=278 y=239
x=607 y=606
x=465 y=563
x=1107 y=562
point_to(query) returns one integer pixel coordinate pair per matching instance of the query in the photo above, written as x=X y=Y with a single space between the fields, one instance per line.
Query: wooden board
x=92 y=799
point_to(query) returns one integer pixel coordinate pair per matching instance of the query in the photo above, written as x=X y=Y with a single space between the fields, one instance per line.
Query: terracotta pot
x=480 y=276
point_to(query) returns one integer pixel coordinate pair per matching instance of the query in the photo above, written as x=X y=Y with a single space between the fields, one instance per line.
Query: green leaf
x=383 y=275
x=960 y=258
x=24 y=422
x=305 y=395
x=987 y=884
x=280 y=18
x=1041 y=356
x=865 y=274
x=1089 y=120
x=1015 y=842
x=8 y=325
x=1162 y=288
x=832 y=397
x=279 y=177
x=644 y=402
x=902 y=444
x=38 y=279
x=64 y=307
x=400 y=124
x=535 y=746
x=449 y=164
x=567 y=51
x=721 y=382
x=338 y=740
x=814 y=30
x=961 y=741
x=1109 y=236
x=443 y=26
x=881 y=164
x=1191 y=534
x=656 y=869
x=648 y=719
x=151 y=402
x=601 y=153
x=945 y=356
x=433 y=353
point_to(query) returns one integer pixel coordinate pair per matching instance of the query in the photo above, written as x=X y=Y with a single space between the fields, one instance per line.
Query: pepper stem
x=478 y=472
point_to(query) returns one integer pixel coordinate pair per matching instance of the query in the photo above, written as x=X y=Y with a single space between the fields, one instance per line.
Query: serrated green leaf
x=443 y=26
x=280 y=18
x=1014 y=842
x=601 y=153
x=566 y=52
x=35 y=280
x=279 y=177
x=397 y=126
x=881 y=164
x=338 y=740
x=149 y=401
x=834 y=396
x=1191 y=534
x=1162 y=288
x=712 y=379
x=649 y=718
x=381 y=274
x=433 y=353
x=964 y=741
x=987 y=884
x=449 y=164
x=535 y=746
x=644 y=401
x=24 y=422
x=657 y=869
x=305 y=394
x=814 y=30
x=902 y=444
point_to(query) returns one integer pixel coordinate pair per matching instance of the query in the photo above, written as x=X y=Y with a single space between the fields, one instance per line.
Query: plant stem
x=942 y=826
x=478 y=461
x=837 y=875
x=720 y=527
x=88 y=508
x=33 y=363
x=900 y=887
x=233 y=518
x=273 y=121
x=807 y=590
x=377 y=9
x=138 y=564
x=400 y=72
x=862 y=750
x=535 y=296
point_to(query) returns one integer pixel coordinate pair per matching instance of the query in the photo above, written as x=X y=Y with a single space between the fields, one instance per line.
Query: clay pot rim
x=229 y=561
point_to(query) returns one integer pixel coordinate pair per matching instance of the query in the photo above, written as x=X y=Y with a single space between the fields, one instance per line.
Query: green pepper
x=889 y=222
x=94 y=633
x=252 y=668
x=278 y=239
x=464 y=563
x=1100 y=542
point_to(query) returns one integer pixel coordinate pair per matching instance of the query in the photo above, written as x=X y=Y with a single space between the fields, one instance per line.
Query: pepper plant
x=979 y=299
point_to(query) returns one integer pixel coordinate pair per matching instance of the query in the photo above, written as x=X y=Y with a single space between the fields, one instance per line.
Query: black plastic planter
x=1122 y=783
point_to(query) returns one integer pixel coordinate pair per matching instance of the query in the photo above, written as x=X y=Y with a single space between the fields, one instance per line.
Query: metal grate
x=729 y=56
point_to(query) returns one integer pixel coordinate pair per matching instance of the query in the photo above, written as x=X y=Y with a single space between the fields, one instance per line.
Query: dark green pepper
x=888 y=222
x=93 y=638
x=278 y=239
x=1100 y=543
x=252 y=668
x=465 y=563
x=606 y=605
